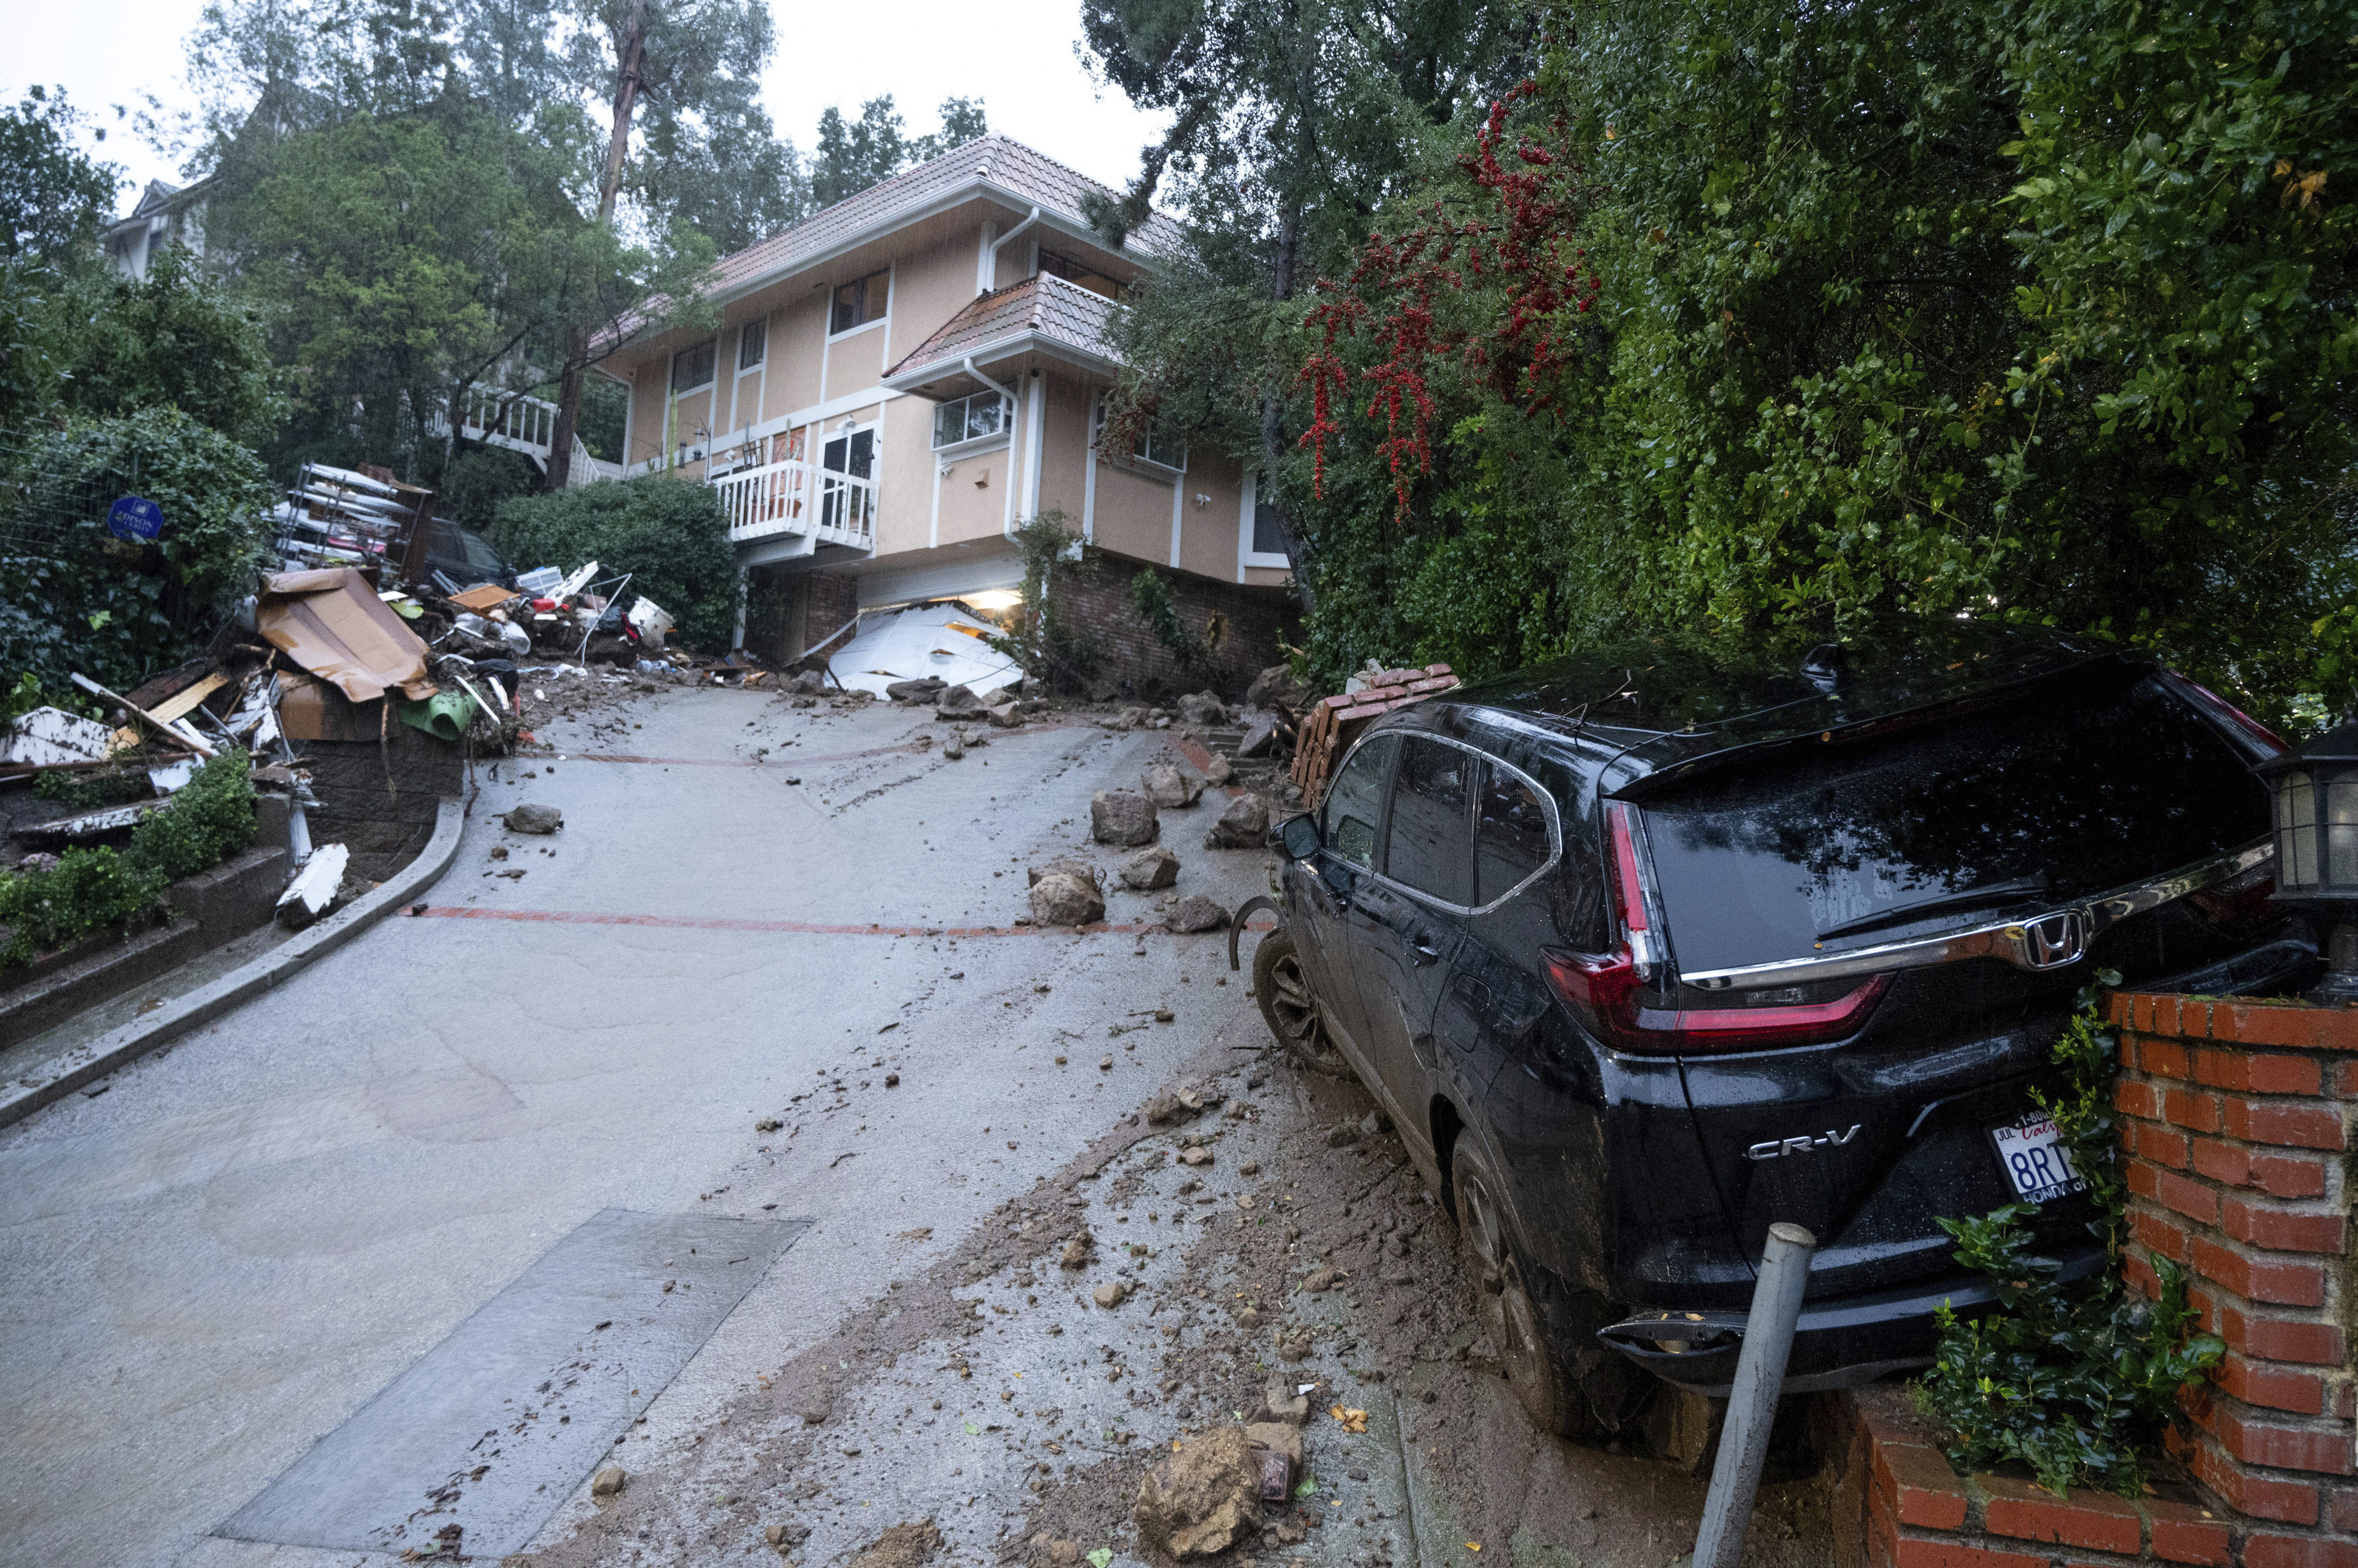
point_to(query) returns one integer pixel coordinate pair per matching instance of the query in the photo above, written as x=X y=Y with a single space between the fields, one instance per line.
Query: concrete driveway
x=295 y=1228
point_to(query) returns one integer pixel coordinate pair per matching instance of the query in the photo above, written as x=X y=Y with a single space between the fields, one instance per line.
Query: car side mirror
x=1299 y=837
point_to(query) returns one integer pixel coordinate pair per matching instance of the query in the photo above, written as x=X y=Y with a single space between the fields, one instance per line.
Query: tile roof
x=999 y=160
x=1061 y=311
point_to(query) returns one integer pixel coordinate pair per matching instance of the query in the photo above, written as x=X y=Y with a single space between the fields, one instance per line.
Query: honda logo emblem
x=2053 y=940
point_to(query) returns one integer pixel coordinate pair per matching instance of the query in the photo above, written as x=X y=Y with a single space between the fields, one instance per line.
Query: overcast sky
x=1016 y=55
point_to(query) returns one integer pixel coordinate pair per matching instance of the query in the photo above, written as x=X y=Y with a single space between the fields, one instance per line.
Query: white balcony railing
x=520 y=424
x=797 y=499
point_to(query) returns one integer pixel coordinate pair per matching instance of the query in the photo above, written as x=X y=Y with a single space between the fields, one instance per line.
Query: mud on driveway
x=990 y=1410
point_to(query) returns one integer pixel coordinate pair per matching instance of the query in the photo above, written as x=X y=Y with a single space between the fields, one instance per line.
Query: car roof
x=1662 y=703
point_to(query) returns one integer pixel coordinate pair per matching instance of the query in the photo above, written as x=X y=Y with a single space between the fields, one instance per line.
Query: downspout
x=1007 y=518
x=1000 y=243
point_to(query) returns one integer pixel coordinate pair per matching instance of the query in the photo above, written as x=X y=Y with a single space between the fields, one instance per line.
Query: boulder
x=1276 y=687
x=1202 y=708
x=1060 y=899
x=1065 y=865
x=925 y=689
x=809 y=683
x=531 y=819
x=1260 y=734
x=1128 y=719
x=1151 y=868
x=1243 y=826
x=1203 y=1497
x=957 y=702
x=1167 y=786
x=1117 y=817
x=1007 y=716
x=1197 y=913
x=1220 y=772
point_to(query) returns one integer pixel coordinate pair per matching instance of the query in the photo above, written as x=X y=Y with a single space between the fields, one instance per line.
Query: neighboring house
x=901 y=381
x=167 y=214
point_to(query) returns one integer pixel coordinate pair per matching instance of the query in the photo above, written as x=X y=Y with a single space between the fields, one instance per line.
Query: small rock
x=1006 y=716
x=498 y=851
x=903 y=1546
x=1151 y=868
x=1248 y=1319
x=927 y=689
x=1197 y=913
x=1249 y=1168
x=1280 y=1402
x=1220 y=772
x=1243 y=826
x=1166 y=786
x=1076 y=1252
x=955 y=749
x=1062 y=899
x=892 y=1081
x=531 y=819
x=1119 y=816
x=1201 y=1498
x=1110 y=1294
x=1163 y=1015
x=768 y=1124
x=1069 y=865
x=1198 y=1155
x=1323 y=1278
x=1343 y=1135
x=1106 y=1065
x=786 y=1537
x=608 y=1482
x=957 y=702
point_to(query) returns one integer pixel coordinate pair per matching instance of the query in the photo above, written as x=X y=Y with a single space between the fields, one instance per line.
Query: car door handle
x=1425 y=954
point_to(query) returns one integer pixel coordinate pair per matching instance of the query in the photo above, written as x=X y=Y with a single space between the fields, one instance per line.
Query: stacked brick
x=1334 y=722
x=2235 y=1120
x=2235 y=1117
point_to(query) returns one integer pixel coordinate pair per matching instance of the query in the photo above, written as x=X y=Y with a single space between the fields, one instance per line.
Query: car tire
x=1290 y=1008
x=1569 y=1384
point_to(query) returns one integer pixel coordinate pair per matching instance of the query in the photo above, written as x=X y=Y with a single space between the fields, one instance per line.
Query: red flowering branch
x=1519 y=243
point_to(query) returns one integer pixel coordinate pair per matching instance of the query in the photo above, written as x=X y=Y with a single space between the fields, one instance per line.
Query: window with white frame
x=1152 y=445
x=860 y=301
x=1260 y=535
x=692 y=368
x=971 y=418
x=753 y=342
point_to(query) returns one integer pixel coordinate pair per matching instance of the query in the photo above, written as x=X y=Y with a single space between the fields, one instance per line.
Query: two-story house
x=902 y=380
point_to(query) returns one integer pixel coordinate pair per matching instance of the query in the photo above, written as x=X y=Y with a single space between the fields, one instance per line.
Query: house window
x=860 y=301
x=753 y=342
x=1268 y=538
x=1164 y=452
x=692 y=368
x=1087 y=277
x=970 y=419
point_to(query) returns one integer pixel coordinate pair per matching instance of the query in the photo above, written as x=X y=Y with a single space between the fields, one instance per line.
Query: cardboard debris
x=313 y=711
x=332 y=624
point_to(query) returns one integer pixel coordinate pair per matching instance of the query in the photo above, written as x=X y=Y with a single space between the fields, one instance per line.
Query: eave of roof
x=1043 y=312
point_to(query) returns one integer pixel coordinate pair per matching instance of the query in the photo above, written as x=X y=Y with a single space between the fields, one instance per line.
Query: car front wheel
x=1290 y=1008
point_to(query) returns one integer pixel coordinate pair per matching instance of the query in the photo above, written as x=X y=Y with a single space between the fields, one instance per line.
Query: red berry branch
x=1515 y=258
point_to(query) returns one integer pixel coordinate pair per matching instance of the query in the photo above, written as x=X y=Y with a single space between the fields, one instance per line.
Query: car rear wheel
x=1290 y=1008
x=1588 y=1392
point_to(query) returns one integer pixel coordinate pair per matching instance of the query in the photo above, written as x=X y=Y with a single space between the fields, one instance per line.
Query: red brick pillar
x=2236 y=1119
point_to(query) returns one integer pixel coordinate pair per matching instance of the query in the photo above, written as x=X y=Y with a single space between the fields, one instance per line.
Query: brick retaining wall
x=2234 y=1122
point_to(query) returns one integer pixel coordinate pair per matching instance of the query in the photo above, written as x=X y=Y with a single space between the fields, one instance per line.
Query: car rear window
x=2075 y=789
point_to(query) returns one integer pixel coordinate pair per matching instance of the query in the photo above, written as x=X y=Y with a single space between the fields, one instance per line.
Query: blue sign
x=135 y=517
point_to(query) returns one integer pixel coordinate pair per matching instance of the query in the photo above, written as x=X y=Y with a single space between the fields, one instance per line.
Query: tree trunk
x=630 y=49
x=1272 y=412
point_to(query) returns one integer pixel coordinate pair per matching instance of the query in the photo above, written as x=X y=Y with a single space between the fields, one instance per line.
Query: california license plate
x=2032 y=1154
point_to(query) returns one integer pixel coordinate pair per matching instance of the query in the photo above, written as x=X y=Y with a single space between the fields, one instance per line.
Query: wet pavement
x=767 y=972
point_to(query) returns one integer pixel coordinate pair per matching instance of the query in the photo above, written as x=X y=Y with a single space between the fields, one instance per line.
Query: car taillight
x=2221 y=708
x=1604 y=990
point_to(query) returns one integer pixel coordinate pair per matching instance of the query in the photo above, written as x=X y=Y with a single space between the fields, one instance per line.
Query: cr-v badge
x=1802 y=1145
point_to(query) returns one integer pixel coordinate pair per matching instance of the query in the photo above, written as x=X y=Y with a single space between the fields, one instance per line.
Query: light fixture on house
x=994 y=600
x=2313 y=798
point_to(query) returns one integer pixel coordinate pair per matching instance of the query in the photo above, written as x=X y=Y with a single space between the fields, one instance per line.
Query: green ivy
x=2068 y=1378
x=1043 y=644
x=1149 y=598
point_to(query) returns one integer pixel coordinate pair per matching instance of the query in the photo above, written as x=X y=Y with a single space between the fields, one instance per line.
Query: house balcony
x=782 y=510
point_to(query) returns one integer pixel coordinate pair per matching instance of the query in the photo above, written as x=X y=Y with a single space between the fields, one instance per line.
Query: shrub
x=670 y=535
x=91 y=890
x=2068 y=1378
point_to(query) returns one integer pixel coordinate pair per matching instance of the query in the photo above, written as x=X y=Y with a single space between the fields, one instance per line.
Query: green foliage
x=854 y=154
x=90 y=791
x=2067 y=1378
x=668 y=535
x=91 y=890
x=1043 y=644
x=1150 y=601
x=474 y=483
x=2039 y=312
x=174 y=338
x=114 y=609
x=53 y=196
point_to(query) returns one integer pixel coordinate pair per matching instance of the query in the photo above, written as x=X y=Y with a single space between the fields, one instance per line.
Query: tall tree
x=53 y=196
x=1290 y=122
x=853 y=155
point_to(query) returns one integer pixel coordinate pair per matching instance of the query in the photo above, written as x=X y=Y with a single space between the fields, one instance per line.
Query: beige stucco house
x=901 y=381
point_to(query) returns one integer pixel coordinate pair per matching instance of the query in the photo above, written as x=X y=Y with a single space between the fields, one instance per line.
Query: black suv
x=1646 y=950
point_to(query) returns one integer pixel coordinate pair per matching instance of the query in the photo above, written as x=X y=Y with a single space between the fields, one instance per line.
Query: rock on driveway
x=1119 y=816
x=1243 y=826
x=1062 y=899
x=1167 y=786
x=531 y=819
x=1202 y=1499
x=1151 y=868
x=1197 y=913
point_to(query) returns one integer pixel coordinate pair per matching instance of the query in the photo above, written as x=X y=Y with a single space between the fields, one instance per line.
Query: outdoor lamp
x=2313 y=796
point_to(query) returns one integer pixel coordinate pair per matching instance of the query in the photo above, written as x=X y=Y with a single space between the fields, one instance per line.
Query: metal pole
x=1752 y=1402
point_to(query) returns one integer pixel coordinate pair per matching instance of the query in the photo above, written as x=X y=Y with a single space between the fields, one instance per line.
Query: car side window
x=1355 y=802
x=1510 y=834
x=1432 y=846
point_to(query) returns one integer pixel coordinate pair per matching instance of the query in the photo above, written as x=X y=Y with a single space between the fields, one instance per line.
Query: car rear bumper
x=1839 y=1342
